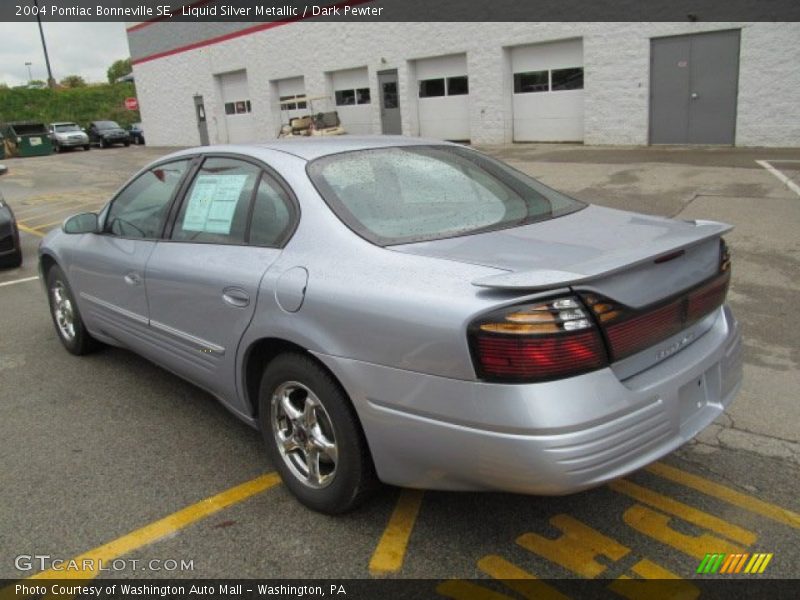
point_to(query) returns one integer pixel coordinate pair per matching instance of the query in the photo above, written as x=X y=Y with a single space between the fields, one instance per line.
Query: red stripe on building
x=233 y=35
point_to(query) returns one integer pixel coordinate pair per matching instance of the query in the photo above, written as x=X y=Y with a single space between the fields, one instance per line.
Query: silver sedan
x=407 y=311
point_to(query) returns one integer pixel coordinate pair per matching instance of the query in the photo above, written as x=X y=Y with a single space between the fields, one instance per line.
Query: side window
x=140 y=209
x=271 y=216
x=216 y=207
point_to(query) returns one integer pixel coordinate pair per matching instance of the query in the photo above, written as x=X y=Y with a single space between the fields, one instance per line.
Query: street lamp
x=30 y=77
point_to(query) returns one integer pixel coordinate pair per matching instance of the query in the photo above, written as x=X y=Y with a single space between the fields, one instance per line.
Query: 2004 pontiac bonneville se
x=407 y=311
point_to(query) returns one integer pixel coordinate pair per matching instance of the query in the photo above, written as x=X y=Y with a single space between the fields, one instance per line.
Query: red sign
x=131 y=104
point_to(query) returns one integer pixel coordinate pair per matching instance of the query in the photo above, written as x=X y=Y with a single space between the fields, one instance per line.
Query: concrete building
x=598 y=83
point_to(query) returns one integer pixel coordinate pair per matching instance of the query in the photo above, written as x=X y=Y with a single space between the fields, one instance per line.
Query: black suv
x=107 y=133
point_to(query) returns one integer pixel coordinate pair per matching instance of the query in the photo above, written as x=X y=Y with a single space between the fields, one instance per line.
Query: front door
x=203 y=281
x=390 y=103
x=108 y=268
x=693 y=88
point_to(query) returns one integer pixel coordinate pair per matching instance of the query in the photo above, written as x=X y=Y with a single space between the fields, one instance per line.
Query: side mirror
x=3 y=170
x=82 y=223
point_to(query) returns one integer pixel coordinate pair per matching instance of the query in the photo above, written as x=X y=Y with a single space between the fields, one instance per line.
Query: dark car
x=137 y=133
x=10 y=250
x=107 y=133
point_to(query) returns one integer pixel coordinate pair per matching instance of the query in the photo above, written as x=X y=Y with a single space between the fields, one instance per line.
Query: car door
x=107 y=269
x=202 y=282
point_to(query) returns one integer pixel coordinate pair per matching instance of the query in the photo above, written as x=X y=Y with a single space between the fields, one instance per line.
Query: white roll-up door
x=547 y=91
x=289 y=90
x=236 y=103
x=443 y=97
x=352 y=97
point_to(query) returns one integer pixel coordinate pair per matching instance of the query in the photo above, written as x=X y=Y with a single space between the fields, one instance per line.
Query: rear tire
x=127 y=144
x=313 y=436
x=87 y=147
x=66 y=317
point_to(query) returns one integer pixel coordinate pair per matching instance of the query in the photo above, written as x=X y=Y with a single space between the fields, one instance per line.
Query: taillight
x=629 y=331
x=536 y=342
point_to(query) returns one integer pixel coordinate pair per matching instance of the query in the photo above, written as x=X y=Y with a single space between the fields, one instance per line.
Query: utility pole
x=51 y=83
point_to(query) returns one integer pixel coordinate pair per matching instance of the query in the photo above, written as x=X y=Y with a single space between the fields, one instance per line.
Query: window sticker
x=213 y=203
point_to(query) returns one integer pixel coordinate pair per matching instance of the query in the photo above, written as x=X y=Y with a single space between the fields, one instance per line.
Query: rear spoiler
x=607 y=264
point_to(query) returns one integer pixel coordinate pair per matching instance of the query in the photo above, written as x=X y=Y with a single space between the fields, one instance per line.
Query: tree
x=118 y=69
x=73 y=81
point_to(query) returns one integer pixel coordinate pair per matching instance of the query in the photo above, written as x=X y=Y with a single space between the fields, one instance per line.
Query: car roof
x=312 y=147
x=64 y=123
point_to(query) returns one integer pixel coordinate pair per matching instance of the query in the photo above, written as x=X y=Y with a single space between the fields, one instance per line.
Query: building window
x=351 y=97
x=566 y=79
x=555 y=80
x=457 y=86
x=237 y=108
x=287 y=104
x=531 y=81
x=345 y=97
x=431 y=88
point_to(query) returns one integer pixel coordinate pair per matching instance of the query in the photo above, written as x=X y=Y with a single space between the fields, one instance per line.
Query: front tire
x=313 y=436
x=87 y=147
x=66 y=317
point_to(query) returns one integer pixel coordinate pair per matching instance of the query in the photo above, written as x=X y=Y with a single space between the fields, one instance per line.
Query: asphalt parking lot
x=108 y=456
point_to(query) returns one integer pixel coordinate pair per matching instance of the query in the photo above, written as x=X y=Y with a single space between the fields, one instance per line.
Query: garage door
x=443 y=97
x=353 y=99
x=236 y=101
x=548 y=92
x=292 y=93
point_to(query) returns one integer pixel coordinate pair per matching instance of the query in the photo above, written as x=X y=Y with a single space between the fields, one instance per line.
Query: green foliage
x=80 y=104
x=118 y=69
x=73 y=81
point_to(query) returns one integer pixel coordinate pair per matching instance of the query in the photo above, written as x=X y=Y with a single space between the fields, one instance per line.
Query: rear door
x=203 y=279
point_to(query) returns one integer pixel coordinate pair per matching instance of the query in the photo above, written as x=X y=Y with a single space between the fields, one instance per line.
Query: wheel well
x=47 y=262
x=260 y=354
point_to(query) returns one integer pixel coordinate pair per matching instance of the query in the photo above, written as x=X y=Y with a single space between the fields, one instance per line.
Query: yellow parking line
x=28 y=209
x=745 y=501
x=391 y=550
x=684 y=511
x=161 y=528
x=27 y=229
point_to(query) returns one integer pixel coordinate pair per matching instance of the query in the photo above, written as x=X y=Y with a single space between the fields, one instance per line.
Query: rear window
x=418 y=193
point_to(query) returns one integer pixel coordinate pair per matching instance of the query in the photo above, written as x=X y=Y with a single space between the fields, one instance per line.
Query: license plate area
x=692 y=397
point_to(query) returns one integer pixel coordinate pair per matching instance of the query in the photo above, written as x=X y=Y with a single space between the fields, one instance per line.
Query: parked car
x=408 y=311
x=107 y=133
x=137 y=133
x=68 y=135
x=10 y=249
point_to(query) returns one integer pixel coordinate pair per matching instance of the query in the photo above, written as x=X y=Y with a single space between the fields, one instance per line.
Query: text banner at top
x=138 y=13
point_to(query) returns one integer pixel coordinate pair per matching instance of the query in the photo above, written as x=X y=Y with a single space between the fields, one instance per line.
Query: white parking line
x=18 y=281
x=783 y=178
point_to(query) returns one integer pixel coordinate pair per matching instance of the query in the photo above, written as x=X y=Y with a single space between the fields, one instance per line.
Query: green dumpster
x=28 y=138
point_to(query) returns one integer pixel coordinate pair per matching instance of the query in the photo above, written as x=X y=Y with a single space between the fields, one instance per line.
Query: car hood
x=112 y=131
x=590 y=246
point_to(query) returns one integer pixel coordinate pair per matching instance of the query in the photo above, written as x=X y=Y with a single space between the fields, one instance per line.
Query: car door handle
x=236 y=297
x=133 y=278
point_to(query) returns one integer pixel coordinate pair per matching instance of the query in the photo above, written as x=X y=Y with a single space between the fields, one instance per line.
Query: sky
x=85 y=49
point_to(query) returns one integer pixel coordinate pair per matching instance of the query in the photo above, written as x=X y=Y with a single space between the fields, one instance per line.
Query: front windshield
x=107 y=125
x=417 y=193
x=64 y=127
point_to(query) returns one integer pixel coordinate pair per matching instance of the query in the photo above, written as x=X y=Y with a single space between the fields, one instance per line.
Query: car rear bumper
x=73 y=142
x=549 y=438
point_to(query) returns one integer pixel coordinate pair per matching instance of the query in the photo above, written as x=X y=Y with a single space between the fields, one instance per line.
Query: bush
x=81 y=104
